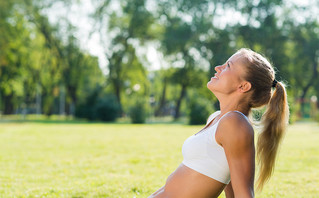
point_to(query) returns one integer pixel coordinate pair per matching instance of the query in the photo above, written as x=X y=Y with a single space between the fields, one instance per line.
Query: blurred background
x=146 y=60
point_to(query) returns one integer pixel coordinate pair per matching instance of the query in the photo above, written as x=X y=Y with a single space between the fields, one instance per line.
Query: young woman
x=222 y=155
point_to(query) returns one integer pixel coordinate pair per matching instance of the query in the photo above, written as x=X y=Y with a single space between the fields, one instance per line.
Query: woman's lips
x=215 y=76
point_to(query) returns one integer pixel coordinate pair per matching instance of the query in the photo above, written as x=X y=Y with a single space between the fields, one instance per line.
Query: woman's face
x=228 y=76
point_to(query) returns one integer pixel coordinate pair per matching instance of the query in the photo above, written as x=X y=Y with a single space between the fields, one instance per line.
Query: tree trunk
x=8 y=104
x=117 y=88
x=72 y=91
x=179 y=101
x=115 y=73
x=160 y=110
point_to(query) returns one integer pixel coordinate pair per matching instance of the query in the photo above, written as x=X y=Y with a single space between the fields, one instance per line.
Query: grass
x=124 y=160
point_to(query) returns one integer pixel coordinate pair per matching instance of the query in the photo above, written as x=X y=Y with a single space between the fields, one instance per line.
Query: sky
x=78 y=15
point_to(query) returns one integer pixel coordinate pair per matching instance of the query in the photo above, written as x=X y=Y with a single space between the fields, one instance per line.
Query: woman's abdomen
x=186 y=182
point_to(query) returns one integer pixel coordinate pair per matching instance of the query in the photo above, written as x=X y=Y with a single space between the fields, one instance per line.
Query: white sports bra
x=203 y=154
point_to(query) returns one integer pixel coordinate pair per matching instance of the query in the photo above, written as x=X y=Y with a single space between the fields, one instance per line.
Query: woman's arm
x=236 y=136
x=158 y=191
x=229 y=191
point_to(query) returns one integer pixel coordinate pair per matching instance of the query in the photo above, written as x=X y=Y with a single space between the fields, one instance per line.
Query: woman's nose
x=218 y=68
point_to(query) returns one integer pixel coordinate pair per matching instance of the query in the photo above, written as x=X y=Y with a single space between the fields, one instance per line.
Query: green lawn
x=123 y=160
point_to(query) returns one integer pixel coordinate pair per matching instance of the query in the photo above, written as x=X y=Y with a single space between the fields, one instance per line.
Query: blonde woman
x=222 y=155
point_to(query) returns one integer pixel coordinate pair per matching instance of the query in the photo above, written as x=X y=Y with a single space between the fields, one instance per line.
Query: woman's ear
x=244 y=87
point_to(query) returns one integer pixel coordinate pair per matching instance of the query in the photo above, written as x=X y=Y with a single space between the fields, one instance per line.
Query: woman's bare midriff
x=185 y=182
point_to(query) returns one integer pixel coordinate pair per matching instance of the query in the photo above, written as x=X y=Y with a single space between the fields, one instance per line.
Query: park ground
x=124 y=160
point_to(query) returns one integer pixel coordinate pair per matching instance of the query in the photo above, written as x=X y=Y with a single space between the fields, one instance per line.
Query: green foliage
x=138 y=112
x=44 y=62
x=107 y=108
x=199 y=110
x=103 y=108
x=293 y=110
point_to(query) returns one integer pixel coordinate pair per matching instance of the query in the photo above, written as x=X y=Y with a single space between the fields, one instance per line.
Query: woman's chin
x=210 y=86
x=209 y=82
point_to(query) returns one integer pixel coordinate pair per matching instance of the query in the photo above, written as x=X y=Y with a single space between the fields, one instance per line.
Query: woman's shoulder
x=235 y=126
x=236 y=119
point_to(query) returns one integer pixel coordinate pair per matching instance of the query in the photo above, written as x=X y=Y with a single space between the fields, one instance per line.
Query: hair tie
x=274 y=83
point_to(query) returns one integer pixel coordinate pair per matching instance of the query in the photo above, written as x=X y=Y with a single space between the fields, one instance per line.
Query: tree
x=305 y=42
x=14 y=42
x=179 y=39
x=128 y=29
x=161 y=82
x=77 y=67
x=264 y=34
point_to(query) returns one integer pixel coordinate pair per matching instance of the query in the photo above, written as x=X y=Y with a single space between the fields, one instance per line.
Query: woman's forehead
x=236 y=57
x=237 y=63
x=236 y=60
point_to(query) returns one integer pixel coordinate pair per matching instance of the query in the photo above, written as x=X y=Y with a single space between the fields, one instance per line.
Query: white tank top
x=203 y=154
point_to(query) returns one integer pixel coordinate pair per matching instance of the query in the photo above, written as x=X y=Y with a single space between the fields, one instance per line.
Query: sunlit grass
x=112 y=160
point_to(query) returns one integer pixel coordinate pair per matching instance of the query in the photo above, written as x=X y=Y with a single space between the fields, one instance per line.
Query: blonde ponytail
x=274 y=122
x=261 y=75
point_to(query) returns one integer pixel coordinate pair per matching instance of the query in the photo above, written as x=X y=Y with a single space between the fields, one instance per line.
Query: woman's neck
x=233 y=104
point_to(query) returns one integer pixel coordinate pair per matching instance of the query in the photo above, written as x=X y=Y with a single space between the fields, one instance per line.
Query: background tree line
x=43 y=69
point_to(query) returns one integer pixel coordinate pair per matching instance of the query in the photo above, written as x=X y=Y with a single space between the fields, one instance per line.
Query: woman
x=222 y=155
